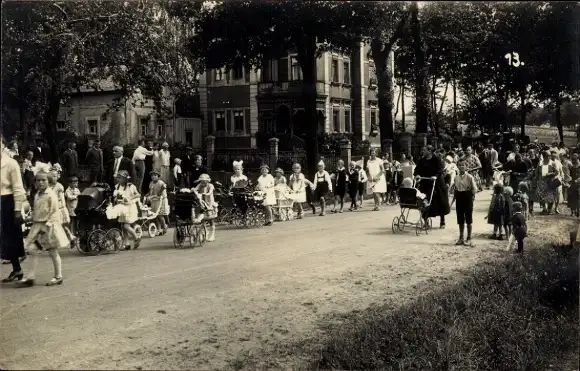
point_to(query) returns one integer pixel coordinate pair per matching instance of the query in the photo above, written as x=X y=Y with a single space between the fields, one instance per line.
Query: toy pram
x=246 y=209
x=412 y=199
x=189 y=228
x=146 y=221
x=284 y=208
x=97 y=233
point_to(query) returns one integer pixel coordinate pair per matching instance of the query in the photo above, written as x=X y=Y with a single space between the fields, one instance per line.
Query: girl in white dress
x=126 y=197
x=378 y=183
x=204 y=190
x=58 y=188
x=238 y=177
x=159 y=202
x=266 y=184
x=298 y=185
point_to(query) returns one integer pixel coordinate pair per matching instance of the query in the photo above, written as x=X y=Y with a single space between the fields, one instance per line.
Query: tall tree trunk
x=403 y=113
x=308 y=64
x=421 y=89
x=523 y=113
x=385 y=96
x=434 y=95
x=455 y=120
x=443 y=99
x=558 y=101
x=49 y=120
x=397 y=104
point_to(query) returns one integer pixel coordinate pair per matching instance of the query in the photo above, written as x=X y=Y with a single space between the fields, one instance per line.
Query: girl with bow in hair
x=266 y=184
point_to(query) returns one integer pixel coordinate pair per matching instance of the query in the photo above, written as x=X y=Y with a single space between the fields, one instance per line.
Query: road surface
x=162 y=308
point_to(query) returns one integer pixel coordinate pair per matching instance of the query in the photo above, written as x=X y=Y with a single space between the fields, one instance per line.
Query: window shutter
x=247 y=72
x=209 y=76
x=247 y=121
x=229 y=128
x=283 y=69
x=210 y=122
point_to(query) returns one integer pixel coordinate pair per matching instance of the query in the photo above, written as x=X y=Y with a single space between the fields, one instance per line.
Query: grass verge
x=519 y=313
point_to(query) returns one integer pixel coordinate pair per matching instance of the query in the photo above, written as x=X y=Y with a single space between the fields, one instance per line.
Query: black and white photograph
x=290 y=185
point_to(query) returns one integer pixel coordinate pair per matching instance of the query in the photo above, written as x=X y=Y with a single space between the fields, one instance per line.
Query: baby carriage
x=247 y=208
x=189 y=229
x=283 y=210
x=412 y=199
x=224 y=198
x=97 y=233
x=146 y=221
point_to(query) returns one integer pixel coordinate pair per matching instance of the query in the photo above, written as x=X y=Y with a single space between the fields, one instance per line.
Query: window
x=143 y=126
x=219 y=74
x=160 y=128
x=373 y=117
x=334 y=70
x=347 y=122
x=61 y=125
x=346 y=72
x=238 y=73
x=93 y=126
x=239 y=121
x=336 y=120
x=296 y=70
x=220 y=121
x=269 y=72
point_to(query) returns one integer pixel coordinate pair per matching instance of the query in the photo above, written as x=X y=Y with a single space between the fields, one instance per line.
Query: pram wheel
x=395 y=224
x=200 y=232
x=96 y=242
x=420 y=226
x=152 y=230
x=223 y=216
x=114 y=240
x=138 y=231
x=429 y=225
x=182 y=235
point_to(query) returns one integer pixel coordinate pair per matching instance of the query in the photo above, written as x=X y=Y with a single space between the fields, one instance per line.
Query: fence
x=252 y=159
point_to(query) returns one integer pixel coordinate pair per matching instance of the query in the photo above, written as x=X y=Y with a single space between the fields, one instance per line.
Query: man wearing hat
x=119 y=162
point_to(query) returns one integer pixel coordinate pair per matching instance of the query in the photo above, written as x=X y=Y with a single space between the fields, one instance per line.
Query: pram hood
x=92 y=197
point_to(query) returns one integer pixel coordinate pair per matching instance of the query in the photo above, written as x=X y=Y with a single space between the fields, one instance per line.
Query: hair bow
x=238 y=163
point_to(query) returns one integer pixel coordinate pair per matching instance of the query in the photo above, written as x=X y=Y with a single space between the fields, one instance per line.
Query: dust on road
x=161 y=308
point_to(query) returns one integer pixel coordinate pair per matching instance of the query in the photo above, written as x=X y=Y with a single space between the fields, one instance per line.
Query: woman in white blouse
x=238 y=177
x=266 y=184
x=12 y=198
x=165 y=161
x=376 y=171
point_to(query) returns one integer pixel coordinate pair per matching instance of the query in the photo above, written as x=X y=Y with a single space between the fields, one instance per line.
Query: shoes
x=13 y=276
x=55 y=281
x=460 y=242
x=26 y=282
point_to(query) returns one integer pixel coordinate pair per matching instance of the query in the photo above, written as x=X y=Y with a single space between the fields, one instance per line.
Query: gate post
x=209 y=150
x=274 y=143
x=346 y=151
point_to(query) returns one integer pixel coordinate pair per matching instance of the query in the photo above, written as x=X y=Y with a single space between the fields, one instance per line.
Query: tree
x=384 y=26
x=248 y=32
x=421 y=90
x=52 y=49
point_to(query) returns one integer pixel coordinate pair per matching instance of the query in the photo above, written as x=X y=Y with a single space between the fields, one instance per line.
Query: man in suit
x=187 y=165
x=94 y=161
x=70 y=162
x=119 y=162
x=40 y=152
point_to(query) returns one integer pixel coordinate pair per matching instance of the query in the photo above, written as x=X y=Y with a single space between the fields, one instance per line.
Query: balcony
x=287 y=88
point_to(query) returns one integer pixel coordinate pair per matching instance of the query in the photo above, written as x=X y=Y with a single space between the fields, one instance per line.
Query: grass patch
x=518 y=313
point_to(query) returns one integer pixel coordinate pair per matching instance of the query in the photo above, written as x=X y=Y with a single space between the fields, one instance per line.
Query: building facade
x=237 y=104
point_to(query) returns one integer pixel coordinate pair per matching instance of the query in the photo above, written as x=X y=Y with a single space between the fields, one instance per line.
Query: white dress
x=374 y=167
x=127 y=214
x=298 y=186
x=266 y=184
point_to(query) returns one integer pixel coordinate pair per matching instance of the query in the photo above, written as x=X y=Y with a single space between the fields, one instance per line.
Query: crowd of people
x=547 y=176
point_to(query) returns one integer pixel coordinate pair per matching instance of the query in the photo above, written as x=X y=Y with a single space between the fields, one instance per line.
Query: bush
x=502 y=316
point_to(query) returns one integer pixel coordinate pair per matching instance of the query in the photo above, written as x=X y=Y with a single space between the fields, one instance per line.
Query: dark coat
x=42 y=154
x=126 y=164
x=70 y=162
x=94 y=159
x=428 y=168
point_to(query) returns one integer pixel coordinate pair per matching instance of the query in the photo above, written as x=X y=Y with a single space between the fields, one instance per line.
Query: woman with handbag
x=548 y=183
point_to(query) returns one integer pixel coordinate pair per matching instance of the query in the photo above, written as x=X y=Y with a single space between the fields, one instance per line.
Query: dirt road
x=161 y=308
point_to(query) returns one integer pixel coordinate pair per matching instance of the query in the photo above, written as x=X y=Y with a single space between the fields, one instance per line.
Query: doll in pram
x=410 y=198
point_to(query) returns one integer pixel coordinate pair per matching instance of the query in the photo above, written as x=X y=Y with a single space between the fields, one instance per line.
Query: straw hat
x=123 y=174
x=204 y=177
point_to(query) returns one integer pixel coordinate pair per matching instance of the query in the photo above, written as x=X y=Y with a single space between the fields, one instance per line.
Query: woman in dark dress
x=12 y=198
x=519 y=171
x=431 y=166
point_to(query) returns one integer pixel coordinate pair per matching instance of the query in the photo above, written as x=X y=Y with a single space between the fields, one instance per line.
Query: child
x=126 y=197
x=322 y=186
x=519 y=226
x=159 y=204
x=496 y=213
x=465 y=188
x=46 y=232
x=353 y=183
x=71 y=196
x=58 y=188
x=177 y=174
x=298 y=186
x=362 y=183
x=266 y=184
x=27 y=173
x=205 y=191
x=522 y=196
x=508 y=193
x=421 y=197
x=341 y=179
